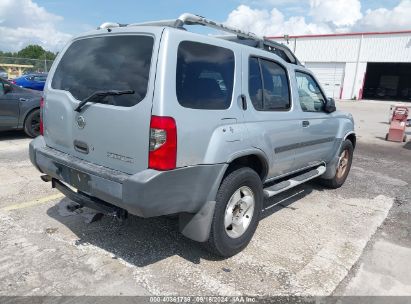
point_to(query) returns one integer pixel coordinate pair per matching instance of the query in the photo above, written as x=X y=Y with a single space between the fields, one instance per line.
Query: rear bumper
x=148 y=193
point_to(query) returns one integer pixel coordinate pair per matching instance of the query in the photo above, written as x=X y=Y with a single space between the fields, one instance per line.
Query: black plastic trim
x=303 y=144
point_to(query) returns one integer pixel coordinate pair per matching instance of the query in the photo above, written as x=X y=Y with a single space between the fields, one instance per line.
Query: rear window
x=106 y=63
x=205 y=75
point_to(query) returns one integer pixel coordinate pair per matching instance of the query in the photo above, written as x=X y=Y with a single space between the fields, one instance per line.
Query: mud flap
x=331 y=169
x=197 y=226
x=332 y=164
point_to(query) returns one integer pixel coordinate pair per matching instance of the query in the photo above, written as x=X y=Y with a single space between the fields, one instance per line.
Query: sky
x=51 y=23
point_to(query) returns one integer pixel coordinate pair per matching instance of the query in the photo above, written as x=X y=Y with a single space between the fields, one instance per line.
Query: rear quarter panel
x=204 y=136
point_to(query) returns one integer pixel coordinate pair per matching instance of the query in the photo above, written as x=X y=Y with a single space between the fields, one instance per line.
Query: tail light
x=163 y=143
x=41 y=116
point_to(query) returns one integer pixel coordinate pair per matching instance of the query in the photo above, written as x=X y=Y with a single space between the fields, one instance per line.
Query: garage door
x=388 y=80
x=330 y=75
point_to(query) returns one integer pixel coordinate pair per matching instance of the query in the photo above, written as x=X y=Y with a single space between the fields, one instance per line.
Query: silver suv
x=150 y=119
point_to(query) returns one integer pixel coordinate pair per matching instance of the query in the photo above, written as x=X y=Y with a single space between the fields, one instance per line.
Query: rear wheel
x=238 y=207
x=343 y=166
x=32 y=123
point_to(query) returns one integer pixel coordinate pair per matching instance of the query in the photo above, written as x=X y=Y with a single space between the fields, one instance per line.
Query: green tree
x=32 y=52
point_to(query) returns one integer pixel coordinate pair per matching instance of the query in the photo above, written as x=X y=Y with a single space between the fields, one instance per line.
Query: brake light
x=163 y=143
x=41 y=116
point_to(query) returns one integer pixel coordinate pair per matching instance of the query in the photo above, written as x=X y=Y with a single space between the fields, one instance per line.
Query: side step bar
x=293 y=182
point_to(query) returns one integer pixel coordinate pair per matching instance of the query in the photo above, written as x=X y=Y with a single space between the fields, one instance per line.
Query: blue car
x=31 y=81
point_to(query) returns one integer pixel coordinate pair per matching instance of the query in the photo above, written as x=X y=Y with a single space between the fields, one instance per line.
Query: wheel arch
x=197 y=226
x=254 y=159
x=351 y=137
x=28 y=112
x=332 y=165
x=26 y=115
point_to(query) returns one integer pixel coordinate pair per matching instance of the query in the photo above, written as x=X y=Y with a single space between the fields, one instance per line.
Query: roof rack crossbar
x=169 y=23
x=191 y=19
x=264 y=43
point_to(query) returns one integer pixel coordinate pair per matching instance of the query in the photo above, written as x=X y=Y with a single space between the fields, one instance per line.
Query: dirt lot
x=311 y=241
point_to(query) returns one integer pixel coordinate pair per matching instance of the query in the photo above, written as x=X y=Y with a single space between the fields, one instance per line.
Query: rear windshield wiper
x=98 y=95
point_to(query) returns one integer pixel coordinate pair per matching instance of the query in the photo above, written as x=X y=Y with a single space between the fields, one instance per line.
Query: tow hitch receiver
x=81 y=200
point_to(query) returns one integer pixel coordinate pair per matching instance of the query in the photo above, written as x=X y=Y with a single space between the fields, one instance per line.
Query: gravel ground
x=311 y=241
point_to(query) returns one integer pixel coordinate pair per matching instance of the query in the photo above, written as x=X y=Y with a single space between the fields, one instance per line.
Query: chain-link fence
x=12 y=67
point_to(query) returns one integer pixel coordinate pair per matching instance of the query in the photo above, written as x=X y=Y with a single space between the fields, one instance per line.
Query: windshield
x=101 y=63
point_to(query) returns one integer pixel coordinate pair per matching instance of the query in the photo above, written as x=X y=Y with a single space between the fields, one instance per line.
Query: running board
x=293 y=182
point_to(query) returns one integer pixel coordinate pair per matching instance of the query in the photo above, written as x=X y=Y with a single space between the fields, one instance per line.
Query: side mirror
x=7 y=88
x=330 y=105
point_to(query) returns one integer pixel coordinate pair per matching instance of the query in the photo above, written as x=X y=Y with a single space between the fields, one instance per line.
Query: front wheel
x=343 y=166
x=32 y=123
x=239 y=203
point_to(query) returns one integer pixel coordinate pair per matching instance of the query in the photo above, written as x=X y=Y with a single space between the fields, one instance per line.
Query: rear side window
x=106 y=63
x=39 y=78
x=268 y=85
x=205 y=76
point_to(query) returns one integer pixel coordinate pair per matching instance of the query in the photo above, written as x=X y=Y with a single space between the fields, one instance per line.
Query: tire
x=340 y=176
x=405 y=138
x=244 y=183
x=32 y=123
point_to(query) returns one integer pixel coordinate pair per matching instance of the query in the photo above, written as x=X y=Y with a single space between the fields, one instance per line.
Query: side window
x=276 y=91
x=268 y=85
x=1 y=88
x=311 y=98
x=39 y=78
x=255 y=84
x=205 y=76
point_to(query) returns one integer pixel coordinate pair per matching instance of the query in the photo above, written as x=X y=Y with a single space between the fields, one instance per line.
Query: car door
x=206 y=77
x=9 y=107
x=26 y=82
x=318 y=128
x=38 y=82
x=271 y=120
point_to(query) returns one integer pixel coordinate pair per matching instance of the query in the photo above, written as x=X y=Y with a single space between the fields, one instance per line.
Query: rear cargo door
x=113 y=131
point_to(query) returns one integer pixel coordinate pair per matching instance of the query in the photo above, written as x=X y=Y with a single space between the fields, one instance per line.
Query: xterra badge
x=120 y=157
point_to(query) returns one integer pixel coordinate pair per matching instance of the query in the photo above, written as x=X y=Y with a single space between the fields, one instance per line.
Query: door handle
x=23 y=99
x=305 y=123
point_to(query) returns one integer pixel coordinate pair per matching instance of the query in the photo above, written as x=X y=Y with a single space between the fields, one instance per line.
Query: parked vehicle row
x=31 y=81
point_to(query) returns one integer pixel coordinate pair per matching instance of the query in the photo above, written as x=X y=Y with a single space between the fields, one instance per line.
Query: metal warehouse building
x=358 y=65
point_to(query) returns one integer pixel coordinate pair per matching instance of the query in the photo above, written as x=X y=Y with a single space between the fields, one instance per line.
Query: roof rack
x=191 y=19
